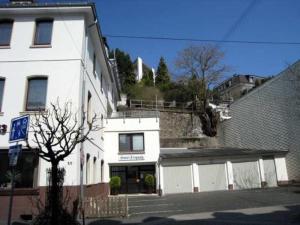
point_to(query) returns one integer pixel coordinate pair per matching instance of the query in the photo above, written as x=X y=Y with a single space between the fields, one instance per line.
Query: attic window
x=5 y=32
x=43 y=32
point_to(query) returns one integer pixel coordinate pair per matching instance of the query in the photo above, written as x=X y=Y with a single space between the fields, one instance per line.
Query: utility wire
x=242 y=17
x=203 y=40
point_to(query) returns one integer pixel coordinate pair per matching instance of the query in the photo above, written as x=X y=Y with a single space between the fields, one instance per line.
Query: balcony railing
x=134 y=114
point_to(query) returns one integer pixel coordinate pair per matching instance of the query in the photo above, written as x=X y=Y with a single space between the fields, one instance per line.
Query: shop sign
x=131 y=157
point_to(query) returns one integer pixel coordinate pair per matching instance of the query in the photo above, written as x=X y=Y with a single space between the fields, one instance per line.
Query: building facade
x=53 y=53
x=268 y=118
x=132 y=149
x=237 y=85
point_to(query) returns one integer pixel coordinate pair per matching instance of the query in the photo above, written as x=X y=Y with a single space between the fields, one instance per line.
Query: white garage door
x=246 y=175
x=212 y=177
x=270 y=172
x=177 y=179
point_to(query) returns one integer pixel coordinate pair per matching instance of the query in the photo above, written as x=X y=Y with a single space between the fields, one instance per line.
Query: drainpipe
x=81 y=100
x=159 y=181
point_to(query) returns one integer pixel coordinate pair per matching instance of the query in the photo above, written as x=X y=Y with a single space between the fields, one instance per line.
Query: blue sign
x=19 y=129
x=13 y=154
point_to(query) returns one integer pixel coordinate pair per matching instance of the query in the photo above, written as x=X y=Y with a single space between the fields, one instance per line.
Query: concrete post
x=196 y=181
x=229 y=175
x=262 y=172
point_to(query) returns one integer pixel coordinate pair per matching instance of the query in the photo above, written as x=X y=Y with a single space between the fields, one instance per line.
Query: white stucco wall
x=69 y=68
x=113 y=127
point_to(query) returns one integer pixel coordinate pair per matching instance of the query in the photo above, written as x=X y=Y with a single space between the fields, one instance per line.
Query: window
x=131 y=142
x=43 y=32
x=94 y=65
x=102 y=119
x=101 y=81
x=36 y=94
x=87 y=171
x=5 y=32
x=88 y=112
x=102 y=170
x=26 y=170
x=2 y=81
x=95 y=170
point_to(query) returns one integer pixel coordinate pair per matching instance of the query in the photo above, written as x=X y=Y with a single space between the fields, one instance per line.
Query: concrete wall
x=183 y=129
x=268 y=118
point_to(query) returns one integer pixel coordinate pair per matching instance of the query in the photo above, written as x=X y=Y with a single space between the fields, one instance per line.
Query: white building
x=132 y=149
x=140 y=69
x=49 y=52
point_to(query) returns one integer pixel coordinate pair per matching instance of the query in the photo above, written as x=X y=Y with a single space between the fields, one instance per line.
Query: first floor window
x=43 y=32
x=25 y=172
x=5 y=32
x=2 y=81
x=131 y=142
x=36 y=94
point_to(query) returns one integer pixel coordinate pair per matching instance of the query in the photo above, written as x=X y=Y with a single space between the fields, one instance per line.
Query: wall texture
x=269 y=118
x=183 y=129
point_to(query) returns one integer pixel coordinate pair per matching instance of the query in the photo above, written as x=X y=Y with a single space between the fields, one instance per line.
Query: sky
x=227 y=20
x=238 y=20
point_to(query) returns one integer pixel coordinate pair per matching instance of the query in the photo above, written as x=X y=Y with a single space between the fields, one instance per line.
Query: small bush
x=149 y=180
x=115 y=184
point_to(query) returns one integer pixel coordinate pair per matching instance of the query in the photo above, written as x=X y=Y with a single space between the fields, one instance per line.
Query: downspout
x=81 y=103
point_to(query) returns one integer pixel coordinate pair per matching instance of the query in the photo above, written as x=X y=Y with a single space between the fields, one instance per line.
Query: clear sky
x=245 y=20
x=238 y=20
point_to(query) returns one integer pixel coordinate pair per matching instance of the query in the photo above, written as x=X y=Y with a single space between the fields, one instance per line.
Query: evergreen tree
x=126 y=70
x=162 y=79
x=147 y=79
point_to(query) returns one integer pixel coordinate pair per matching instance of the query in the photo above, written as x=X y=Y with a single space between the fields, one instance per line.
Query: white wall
x=68 y=66
x=113 y=127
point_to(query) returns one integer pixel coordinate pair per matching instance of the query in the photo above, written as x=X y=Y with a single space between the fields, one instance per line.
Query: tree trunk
x=54 y=195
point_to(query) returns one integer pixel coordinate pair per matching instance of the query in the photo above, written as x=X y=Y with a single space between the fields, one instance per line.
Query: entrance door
x=133 y=180
x=132 y=177
x=270 y=172
x=212 y=177
x=177 y=179
x=246 y=175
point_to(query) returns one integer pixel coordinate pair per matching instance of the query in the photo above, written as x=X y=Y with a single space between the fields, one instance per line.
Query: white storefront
x=131 y=150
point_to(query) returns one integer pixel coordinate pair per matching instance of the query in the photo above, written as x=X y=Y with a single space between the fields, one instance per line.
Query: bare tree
x=56 y=133
x=203 y=63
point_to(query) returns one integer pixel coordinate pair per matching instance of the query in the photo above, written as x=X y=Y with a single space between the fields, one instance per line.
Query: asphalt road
x=261 y=207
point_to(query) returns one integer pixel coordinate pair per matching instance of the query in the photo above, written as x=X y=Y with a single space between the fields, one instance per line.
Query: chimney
x=21 y=2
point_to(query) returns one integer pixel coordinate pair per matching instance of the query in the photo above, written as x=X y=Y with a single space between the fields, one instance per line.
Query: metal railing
x=135 y=114
x=160 y=104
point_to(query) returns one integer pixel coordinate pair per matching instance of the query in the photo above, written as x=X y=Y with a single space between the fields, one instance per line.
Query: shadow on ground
x=291 y=215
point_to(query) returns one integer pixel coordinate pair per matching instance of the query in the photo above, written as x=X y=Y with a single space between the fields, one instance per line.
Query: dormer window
x=5 y=32
x=43 y=32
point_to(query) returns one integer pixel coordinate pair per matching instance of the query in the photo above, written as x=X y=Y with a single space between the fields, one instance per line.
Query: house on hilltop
x=236 y=86
x=140 y=69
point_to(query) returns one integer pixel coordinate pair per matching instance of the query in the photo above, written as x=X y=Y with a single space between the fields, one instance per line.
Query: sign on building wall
x=19 y=129
x=131 y=157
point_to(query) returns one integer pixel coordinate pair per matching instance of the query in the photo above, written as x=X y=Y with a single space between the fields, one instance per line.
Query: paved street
x=262 y=206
